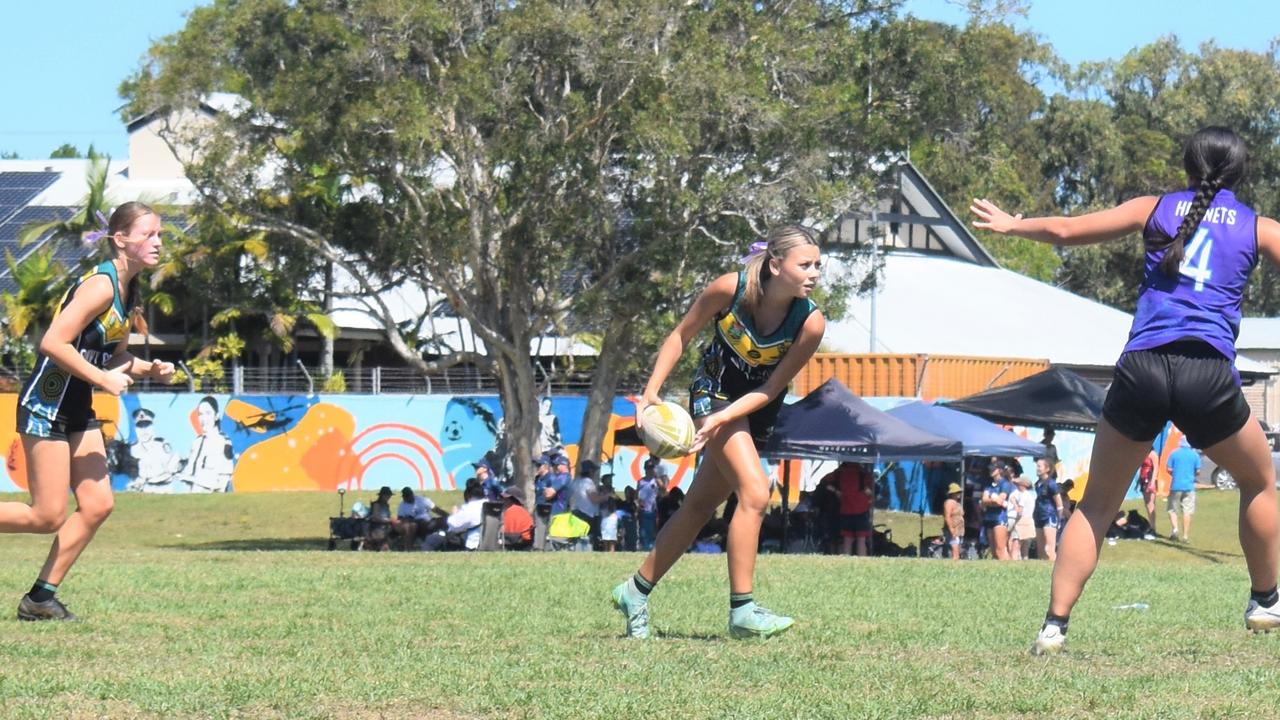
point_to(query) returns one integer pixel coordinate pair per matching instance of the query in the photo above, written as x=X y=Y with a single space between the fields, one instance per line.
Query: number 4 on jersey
x=1195 y=263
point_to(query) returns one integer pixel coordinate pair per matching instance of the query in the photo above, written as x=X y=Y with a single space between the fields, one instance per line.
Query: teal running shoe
x=635 y=606
x=754 y=621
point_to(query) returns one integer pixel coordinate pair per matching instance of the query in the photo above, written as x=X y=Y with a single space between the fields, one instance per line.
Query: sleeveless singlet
x=51 y=394
x=1204 y=301
x=740 y=358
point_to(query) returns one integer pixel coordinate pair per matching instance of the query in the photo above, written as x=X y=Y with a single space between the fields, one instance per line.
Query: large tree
x=531 y=162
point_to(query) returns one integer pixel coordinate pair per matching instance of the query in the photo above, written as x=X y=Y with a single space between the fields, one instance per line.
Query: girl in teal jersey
x=85 y=346
x=766 y=329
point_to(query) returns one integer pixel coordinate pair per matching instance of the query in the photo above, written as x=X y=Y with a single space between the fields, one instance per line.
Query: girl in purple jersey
x=1201 y=245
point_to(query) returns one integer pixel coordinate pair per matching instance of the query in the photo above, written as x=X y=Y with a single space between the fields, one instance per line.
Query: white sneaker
x=1050 y=641
x=1261 y=619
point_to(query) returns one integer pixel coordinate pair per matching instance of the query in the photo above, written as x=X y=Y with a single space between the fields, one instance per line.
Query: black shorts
x=760 y=423
x=857 y=525
x=60 y=429
x=1187 y=382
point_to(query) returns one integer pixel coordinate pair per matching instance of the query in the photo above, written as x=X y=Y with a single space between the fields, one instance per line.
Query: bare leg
x=861 y=547
x=1149 y=499
x=1247 y=457
x=707 y=491
x=846 y=544
x=48 y=476
x=1173 y=523
x=1115 y=458
x=1186 y=526
x=999 y=538
x=740 y=465
x=1015 y=549
x=94 y=501
x=1048 y=541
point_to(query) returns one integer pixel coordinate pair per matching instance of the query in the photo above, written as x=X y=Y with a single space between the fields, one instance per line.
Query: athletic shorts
x=1187 y=382
x=760 y=423
x=855 y=526
x=1044 y=521
x=1186 y=501
x=60 y=429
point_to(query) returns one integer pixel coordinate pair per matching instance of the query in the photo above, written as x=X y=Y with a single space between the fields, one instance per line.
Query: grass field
x=228 y=606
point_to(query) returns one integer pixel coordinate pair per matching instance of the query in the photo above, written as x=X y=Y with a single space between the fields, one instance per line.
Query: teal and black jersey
x=53 y=397
x=740 y=359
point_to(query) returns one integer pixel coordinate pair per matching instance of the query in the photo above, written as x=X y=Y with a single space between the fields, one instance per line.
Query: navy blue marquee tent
x=831 y=423
x=978 y=436
x=1056 y=397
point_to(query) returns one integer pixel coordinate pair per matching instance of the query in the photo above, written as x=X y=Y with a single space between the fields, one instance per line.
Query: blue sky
x=63 y=61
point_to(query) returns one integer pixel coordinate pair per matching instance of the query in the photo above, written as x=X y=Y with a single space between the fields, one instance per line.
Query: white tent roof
x=1259 y=334
x=939 y=305
x=407 y=303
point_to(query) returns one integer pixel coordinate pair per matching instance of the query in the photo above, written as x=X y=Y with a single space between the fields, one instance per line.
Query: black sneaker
x=52 y=609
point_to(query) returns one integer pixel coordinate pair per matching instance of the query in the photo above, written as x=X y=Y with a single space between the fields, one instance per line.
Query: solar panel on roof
x=19 y=188
x=36 y=180
x=9 y=228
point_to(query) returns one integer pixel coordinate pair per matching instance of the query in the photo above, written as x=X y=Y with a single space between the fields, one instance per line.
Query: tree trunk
x=614 y=349
x=326 y=341
x=518 y=393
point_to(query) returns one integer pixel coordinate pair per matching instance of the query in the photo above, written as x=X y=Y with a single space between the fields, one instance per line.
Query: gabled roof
x=912 y=213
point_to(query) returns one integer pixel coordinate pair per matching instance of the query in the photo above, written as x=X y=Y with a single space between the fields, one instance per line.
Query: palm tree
x=72 y=231
x=40 y=281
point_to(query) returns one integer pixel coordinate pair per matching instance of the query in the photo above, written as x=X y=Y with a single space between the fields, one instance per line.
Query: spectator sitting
x=379 y=533
x=413 y=518
x=517 y=523
x=462 y=527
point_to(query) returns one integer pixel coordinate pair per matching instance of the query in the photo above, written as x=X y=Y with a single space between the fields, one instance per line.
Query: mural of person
x=549 y=439
x=209 y=464
x=154 y=462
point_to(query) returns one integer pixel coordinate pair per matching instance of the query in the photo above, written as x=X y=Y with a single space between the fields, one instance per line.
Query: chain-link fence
x=301 y=379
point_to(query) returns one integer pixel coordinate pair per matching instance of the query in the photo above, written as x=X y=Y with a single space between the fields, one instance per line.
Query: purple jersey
x=1203 y=302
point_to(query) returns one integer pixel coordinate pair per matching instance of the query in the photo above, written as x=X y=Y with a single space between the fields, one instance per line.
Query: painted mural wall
x=191 y=443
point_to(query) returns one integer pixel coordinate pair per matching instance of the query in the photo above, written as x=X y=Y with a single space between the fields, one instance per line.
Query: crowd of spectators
x=581 y=511
x=997 y=510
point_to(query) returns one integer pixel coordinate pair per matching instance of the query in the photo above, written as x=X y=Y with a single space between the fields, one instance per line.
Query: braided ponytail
x=1205 y=192
x=1215 y=159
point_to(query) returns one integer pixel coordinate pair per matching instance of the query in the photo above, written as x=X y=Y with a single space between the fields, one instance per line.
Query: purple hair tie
x=92 y=237
x=755 y=249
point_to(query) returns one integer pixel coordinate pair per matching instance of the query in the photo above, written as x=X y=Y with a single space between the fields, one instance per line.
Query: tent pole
x=786 y=509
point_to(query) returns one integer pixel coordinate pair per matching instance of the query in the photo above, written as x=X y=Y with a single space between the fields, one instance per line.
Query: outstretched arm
x=1126 y=218
x=1269 y=239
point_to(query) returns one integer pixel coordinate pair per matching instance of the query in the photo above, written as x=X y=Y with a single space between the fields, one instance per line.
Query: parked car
x=1221 y=479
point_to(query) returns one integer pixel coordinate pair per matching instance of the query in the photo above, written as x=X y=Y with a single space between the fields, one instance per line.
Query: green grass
x=228 y=606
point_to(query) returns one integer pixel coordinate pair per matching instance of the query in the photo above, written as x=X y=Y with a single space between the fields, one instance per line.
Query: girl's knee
x=98 y=511
x=754 y=501
x=46 y=521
